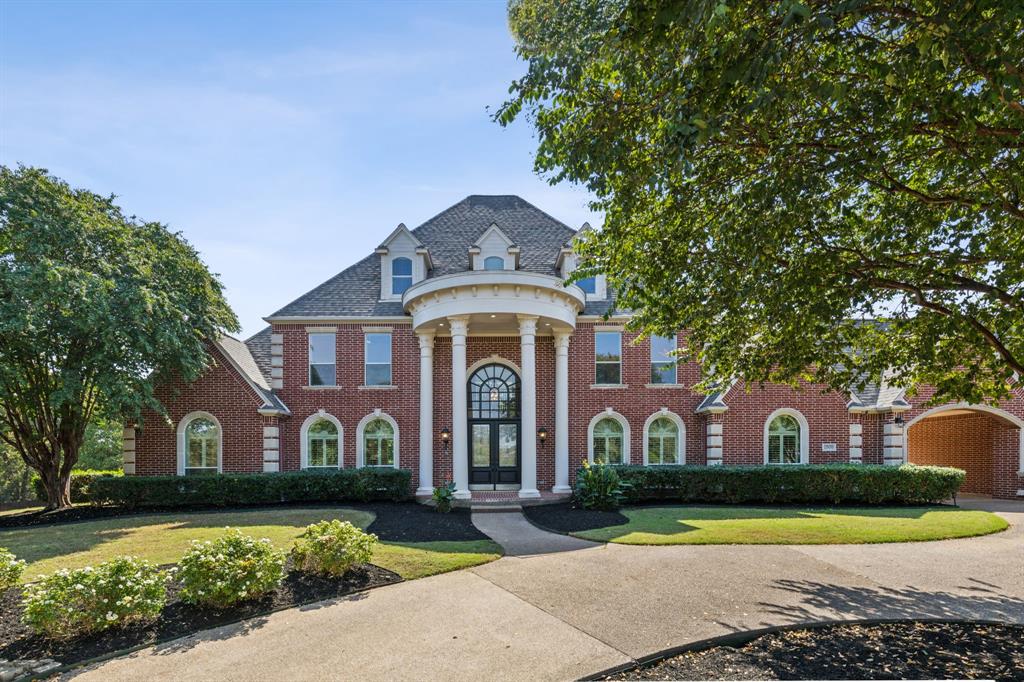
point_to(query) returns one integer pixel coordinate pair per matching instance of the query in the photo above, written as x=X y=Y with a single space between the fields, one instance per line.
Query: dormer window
x=404 y=261
x=588 y=284
x=401 y=275
x=493 y=250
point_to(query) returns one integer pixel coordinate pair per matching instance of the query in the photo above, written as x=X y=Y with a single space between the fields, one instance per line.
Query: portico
x=531 y=306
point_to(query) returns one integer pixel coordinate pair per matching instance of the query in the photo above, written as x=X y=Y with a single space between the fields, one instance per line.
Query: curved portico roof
x=496 y=298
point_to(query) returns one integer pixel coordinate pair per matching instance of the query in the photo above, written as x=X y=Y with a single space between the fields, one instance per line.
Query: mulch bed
x=396 y=521
x=563 y=518
x=178 y=618
x=865 y=652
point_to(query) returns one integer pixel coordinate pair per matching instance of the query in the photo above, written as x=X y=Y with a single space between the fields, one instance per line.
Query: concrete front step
x=494 y=508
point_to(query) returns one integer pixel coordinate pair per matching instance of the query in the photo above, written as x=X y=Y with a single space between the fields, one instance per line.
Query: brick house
x=360 y=372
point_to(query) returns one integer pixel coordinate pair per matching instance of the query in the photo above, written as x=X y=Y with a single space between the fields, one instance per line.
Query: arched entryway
x=983 y=441
x=494 y=427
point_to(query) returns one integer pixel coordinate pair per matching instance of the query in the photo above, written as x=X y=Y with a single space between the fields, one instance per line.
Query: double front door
x=494 y=455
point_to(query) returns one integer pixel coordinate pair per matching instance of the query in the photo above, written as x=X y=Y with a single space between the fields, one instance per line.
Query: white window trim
x=361 y=446
x=309 y=360
x=805 y=435
x=607 y=362
x=390 y=363
x=304 y=439
x=675 y=363
x=183 y=424
x=609 y=412
x=680 y=436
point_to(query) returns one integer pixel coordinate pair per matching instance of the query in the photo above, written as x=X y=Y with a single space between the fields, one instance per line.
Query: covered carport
x=983 y=441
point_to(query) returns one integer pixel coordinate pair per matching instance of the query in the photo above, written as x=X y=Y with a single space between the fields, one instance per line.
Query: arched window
x=663 y=441
x=494 y=263
x=199 y=445
x=322 y=451
x=401 y=275
x=378 y=443
x=608 y=441
x=494 y=393
x=785 y=440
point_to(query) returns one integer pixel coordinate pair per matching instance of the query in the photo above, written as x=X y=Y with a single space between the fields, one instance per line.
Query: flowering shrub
x=332 y=547
x=92 y=599
x=10 y=569
x=231 y=569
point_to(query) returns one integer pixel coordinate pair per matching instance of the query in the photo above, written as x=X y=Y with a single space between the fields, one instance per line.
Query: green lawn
x=770 y=526
x=163 y=538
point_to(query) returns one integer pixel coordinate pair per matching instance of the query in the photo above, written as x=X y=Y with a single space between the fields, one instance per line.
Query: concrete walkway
x=521 y=538
x=557 y=615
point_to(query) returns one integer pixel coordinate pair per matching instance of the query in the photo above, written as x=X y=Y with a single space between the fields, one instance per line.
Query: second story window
x=588 y=284
x=494 y=263
x=608 y=357
x=322 y=360
x=401 y=275
x=378 y=359
x=663 y=363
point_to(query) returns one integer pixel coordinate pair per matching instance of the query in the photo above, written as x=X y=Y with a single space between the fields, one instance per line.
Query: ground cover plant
x=708 y=525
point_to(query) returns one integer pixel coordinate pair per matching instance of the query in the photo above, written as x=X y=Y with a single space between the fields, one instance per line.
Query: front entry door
x=494 y=458
x=493 y=428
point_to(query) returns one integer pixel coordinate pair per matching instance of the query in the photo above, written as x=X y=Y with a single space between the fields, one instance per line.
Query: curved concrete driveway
x=566 y=614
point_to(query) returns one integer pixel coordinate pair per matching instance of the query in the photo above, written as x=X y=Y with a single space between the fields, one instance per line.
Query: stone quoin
x=457 y=350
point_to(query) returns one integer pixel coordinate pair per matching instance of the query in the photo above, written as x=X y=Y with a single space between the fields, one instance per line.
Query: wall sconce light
x=542 y=434
x=898 y=419
x=446 y=436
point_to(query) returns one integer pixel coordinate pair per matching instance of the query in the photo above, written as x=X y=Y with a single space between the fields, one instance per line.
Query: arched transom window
x=608 y=437
x=494 y=263
x=322 y=444
x=494 y=393
x=662 y=442
x=784 y=440
x=202 y=447
x=379 y=444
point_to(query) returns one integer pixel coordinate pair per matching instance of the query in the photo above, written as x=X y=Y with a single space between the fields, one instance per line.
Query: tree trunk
x=57 y=485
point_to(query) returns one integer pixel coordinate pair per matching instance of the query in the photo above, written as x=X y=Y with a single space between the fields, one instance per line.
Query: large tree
x=827 y=189
x=95 y=309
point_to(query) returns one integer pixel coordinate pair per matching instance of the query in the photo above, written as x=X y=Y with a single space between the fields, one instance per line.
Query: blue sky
x=284 y=140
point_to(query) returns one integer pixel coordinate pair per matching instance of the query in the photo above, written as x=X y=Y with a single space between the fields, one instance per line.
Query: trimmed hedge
x=81 y=480
x=805 y=484
x=230 y=490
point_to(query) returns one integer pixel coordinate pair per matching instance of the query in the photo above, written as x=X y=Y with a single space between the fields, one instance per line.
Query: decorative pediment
x=404 y=261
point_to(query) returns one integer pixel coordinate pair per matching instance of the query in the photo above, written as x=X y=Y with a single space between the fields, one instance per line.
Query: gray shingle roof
x=356 y=290
x=241 y=355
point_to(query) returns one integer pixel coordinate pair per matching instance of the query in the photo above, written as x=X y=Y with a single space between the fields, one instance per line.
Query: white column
x=426 y=414
x=561 y=414
x=528 y=398
x=460 y=452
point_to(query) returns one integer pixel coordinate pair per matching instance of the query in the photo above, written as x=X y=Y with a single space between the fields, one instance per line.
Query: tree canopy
x=96 y=308
x=827 y=189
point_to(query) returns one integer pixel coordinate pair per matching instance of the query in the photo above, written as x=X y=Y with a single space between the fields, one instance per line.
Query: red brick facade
x=986 y=445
